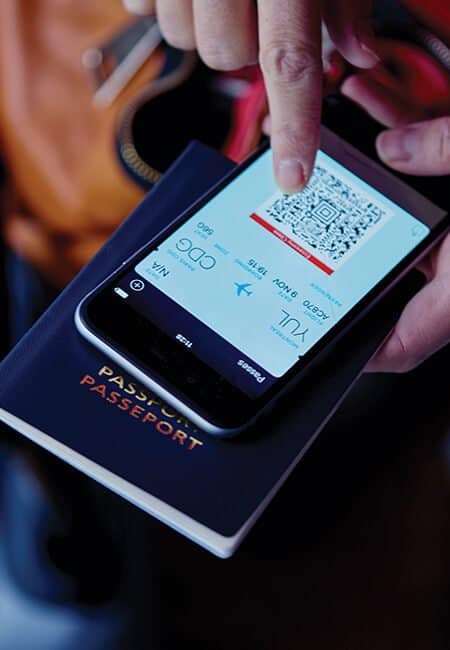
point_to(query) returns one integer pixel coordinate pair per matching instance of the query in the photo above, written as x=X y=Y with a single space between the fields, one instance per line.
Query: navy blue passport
x=69 y=398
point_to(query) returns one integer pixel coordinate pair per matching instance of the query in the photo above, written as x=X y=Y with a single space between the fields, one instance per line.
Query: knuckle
x=289 y=63
x=444 y=141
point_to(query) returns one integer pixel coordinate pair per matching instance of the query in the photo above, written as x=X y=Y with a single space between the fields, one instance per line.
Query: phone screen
x=255 y=279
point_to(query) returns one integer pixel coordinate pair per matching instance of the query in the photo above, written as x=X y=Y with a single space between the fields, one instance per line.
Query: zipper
x=177 y=68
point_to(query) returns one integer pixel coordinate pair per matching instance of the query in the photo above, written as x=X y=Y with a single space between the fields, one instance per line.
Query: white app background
x=271 y=273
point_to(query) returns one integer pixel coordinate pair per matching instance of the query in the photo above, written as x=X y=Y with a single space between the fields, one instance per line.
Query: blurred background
x=94 y=108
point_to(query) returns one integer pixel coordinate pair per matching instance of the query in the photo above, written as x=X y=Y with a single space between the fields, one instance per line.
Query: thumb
x=422 y=148
x=422 y=329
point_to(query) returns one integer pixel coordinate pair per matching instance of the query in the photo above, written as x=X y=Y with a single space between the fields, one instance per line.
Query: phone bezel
x=208 y=399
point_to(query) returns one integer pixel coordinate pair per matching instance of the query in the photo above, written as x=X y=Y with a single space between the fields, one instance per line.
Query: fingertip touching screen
x=254 y=279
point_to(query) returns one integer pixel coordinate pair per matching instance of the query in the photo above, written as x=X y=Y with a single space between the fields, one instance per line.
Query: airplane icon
x=243 y=288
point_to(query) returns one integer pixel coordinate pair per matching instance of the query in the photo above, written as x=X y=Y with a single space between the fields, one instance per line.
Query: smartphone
x=231 y=305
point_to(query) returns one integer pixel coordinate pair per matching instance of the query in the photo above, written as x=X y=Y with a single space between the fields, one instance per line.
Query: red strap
x=248 y=114
x=434 y=13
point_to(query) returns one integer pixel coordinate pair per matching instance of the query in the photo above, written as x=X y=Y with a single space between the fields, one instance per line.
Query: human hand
x=421 y=148
x=285 y=36
x=140 y=7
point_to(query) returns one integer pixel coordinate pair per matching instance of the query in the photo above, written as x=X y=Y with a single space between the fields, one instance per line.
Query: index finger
x=290 y=57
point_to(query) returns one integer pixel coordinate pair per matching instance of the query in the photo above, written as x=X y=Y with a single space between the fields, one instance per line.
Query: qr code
x=328 y=216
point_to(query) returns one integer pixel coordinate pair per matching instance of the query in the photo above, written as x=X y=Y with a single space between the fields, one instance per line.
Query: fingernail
x=366 y=40
x=399 y=145
x=291 y=175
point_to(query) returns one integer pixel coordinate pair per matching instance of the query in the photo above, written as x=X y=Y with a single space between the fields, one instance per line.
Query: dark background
x=354 y=552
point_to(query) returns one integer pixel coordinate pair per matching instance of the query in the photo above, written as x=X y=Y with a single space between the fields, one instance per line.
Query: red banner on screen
x=292 y=244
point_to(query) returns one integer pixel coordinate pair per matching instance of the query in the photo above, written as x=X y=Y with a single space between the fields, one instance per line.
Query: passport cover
x=69 y=398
